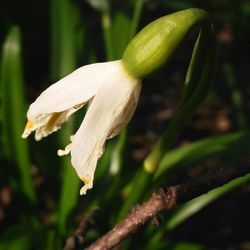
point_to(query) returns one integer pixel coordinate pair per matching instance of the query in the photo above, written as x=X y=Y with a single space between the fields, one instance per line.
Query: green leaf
x=17 y=237
x=19 y=243
x=176 y=216
x=197 y=83
x=186 y=210
x=108 y=174
x=63 y=38
x=116 y=165
x=196 y=87
x=121 y=21
x=64 y=18
x=138 y=5
x=231 y=145
x=115 y=40
x=15 y=149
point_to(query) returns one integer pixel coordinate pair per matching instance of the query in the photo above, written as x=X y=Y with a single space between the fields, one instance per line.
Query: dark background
x=224 y=224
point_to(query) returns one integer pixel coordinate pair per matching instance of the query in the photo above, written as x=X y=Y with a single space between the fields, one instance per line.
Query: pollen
x=29 y=124
x=28 y=129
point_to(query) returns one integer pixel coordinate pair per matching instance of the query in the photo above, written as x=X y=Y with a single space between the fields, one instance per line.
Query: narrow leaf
x=197 y=151
x=15 y=149
x=188 y=209
x=63 y=61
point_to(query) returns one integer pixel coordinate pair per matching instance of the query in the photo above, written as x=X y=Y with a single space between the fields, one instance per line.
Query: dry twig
x=166 y=198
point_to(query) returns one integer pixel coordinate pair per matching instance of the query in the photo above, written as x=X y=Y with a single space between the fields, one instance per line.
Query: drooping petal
x=46 y=124
x=60 y=100
x=76 y=88
x=110 y=110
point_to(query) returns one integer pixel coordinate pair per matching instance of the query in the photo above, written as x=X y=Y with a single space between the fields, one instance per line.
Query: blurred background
x=40 y=205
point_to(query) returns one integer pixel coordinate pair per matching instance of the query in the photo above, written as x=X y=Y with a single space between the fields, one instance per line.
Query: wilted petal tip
x=29 y=128
x=88 y=184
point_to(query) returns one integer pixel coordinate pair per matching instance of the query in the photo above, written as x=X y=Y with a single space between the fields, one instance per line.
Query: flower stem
x=198 y=80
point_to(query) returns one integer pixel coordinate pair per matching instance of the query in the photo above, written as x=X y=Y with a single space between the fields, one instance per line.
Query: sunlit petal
x=60 y=100
x=112 y=95
x=45 y=124
x=76 y=88
x=110 y=110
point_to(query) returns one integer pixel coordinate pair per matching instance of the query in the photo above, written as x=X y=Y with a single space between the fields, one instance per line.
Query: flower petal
x=110 y=110
x=76 y=88
x=46 y=124
x=60 y=100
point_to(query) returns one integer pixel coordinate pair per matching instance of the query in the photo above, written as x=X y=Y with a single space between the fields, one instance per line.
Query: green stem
x=199 y=77
x=106 y=27
x=63 y=61
x=15 y=149
x=194 y=94
x=136 y=17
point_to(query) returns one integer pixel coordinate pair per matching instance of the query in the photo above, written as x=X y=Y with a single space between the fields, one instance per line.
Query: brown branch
x=166 y=198
x=75 y=242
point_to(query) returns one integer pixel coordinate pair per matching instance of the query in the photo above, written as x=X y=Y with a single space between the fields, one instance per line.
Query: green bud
x=153 y=45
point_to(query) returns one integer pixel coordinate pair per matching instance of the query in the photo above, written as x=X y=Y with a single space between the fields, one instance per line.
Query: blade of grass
x=185 y=211
x=63 y=54
x=18 y=237
x=111 y=162
x=180 y=158
x=53 y=241
x=108 y=174
x=121 y=22
x=21 y=242
x=63 y=61
x=136 y=17
x=119 y=30
x=13 y=106
x=103 y=7
x=116 y=167
x=194 y=94
x=106 y=28
x=115 y=44
x=230 y=146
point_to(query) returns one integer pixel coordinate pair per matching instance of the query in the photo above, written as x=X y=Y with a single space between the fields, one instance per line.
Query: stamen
x=53 y=121
x=49 y=124
x=66 y=151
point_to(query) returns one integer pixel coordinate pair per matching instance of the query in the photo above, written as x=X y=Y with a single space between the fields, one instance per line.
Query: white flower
x=113 y=95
